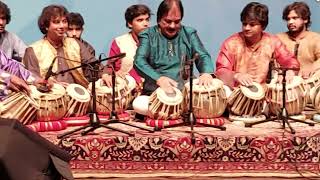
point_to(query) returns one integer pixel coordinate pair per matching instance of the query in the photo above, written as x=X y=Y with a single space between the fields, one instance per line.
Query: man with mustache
x=244 y=57
x=68 y=52
x=75 y=29
x=10 y=43
x=164 y=47
x=299 y=39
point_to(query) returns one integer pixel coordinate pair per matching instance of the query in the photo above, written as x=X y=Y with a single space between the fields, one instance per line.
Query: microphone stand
x=283 y=114
x=189 y=117
x=94 y=122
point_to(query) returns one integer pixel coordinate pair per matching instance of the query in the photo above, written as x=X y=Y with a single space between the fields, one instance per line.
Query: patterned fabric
x=264 y=150
x=10 y=67
x=236 y=57
x=308 y=50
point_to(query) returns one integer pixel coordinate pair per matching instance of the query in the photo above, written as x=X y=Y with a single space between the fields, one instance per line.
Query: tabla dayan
x=165 y=106
x=208 y=102
x=52 y=104
x=312 y=83
x=131 y=88
x=295 y=96
x=78 y=100
x=247 y=100
x=19 y=106
x=104 y=96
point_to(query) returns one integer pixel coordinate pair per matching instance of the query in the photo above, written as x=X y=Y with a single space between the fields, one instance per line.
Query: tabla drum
x=104 y=96
x=295 y=97
x=19 y=106
x=52 y=104
x=165 y=106
x=312 y=83
x=315 y=97
x=78 y=100
x=131 y=83
x=247 y=100
x=208 y=102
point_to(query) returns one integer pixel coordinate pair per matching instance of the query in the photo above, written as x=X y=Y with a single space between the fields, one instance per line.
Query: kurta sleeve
x=283 y=56
x=224 y=65
x=141 y=59
x=31 y=62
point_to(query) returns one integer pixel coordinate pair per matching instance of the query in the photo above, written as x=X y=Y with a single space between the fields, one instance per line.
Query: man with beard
x=163 y=48
x=244 y=57
x=10 y=43
x=75 y=29
x=68 y=52
x=137 y=19
x=299 y=40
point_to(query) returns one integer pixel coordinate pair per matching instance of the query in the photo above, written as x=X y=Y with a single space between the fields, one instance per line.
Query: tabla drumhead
x=78 y=92
x=255 y=91
x=169 y=99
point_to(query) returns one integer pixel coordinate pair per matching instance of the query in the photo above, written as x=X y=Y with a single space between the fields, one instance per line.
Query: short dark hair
x=4 y=9
x=302 y=10
x=75 y=19
x=135 y=11
x=257 y=12
x=165 y=6
x=49 y=12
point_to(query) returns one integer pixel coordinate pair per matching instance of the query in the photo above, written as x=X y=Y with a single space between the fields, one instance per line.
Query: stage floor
x=265 y=150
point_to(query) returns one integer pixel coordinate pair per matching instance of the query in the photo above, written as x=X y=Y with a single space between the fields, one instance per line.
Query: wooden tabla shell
x=19 y=106
x=295 y=96
x=78 y=100
x=311 y=83
x=104 y=96
x=132 y=93
x=208 y=102
x=52 y=104
x=162 y=106
x=247 y=100
x=315 y=97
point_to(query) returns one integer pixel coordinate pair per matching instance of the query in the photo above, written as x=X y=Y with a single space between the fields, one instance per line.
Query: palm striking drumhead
x=169 y=99
x=254 y=91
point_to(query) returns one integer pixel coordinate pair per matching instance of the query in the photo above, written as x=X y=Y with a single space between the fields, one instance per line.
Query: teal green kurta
x=158 y=56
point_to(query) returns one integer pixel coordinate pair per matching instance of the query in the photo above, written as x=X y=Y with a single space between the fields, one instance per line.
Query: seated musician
x=162 y=52
x=244 y=57
x=162 y=48
x=70 y=51
x=13 y=76
x=137 y=19
x=299 y=39
x=75 y=29
x=10 y=43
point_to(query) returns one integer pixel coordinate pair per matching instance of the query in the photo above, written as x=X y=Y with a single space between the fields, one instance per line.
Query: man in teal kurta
x=164 y=48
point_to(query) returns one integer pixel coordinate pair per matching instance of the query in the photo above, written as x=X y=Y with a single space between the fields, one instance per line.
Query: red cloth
x=219 y=121
x=42 y=126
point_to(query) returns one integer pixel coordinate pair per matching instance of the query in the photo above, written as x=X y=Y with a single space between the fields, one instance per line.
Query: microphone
x=187 y=64
x=269 y=75
x=43 y=87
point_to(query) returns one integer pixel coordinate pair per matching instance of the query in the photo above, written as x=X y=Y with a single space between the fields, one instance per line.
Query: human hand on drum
x=205 y=80
x=17 y=84
x=243 y=78
x=167 y=84
x=107 y=79
x=305 y=74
